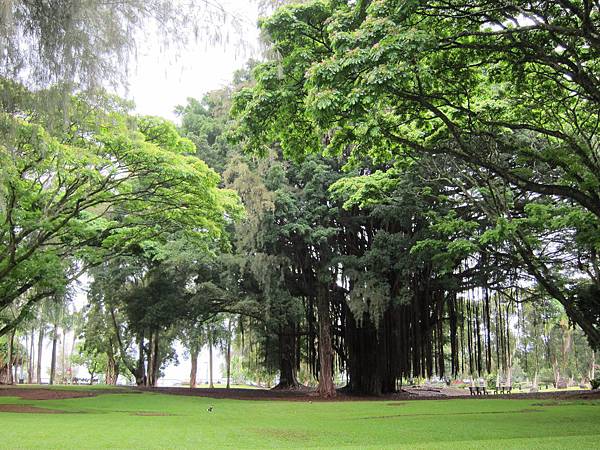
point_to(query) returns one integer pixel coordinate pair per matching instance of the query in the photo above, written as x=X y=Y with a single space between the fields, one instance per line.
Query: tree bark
x=40 y=347
x=30 y=358
x=112 y=367
x=326 y=388
x=150 y=361
x=156 y=359
x=194 y=370
x=63 y=359
x=9 y=363
x=140 y=372
x=287 y=359
x=210 y=360
x=228 y=357
x=53 y=361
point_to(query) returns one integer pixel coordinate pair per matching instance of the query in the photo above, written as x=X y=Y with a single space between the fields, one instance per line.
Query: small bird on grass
x=210 y=408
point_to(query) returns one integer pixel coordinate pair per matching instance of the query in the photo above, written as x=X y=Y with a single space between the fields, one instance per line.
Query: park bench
x=477 y=390
x=502 y=389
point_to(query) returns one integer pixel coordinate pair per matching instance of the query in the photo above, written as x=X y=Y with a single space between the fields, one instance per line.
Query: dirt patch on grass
x=27 y=409
x=55 y=394
x=284 y=434
x=396 y=404
x=398 y=398
x=475 y=413
x=150 y=414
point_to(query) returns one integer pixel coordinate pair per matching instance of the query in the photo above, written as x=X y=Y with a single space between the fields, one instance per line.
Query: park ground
x=80 y=417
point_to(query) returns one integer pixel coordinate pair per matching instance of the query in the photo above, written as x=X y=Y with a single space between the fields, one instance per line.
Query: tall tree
x=86 y=199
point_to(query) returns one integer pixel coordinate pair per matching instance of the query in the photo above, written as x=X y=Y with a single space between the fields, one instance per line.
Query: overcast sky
x=160 y=80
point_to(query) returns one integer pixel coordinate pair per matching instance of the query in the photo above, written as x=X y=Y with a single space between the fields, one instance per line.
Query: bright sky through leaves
x=161 y=79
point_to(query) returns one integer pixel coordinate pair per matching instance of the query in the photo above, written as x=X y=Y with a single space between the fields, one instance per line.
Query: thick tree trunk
x=363 y=367
x=210 y=361
x=40 y=346
x=326 y=388
x=53 y=360
x=112 y=370
x=287 y=359
x=140 y=371
x=194 y=370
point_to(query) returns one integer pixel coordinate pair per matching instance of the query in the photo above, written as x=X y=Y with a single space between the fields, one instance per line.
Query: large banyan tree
x=351 y=283
x=425 y=261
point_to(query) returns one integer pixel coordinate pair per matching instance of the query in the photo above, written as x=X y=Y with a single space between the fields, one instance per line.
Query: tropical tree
x=101 y=188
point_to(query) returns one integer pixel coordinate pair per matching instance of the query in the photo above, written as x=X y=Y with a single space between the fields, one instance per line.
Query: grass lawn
x=149 y=420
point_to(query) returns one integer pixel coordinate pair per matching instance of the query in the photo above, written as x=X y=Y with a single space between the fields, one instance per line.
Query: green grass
x=109 y=421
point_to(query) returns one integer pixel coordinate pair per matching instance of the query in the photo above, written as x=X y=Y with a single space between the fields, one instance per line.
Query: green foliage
x=102 y=189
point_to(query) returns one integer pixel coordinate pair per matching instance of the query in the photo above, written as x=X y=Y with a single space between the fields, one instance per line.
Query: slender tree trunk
x=156 y=359
x=228 y=353
x=18 y=358
x=53 y=361
x=9 y=363
x=71 y=351
x=40 y=347
x=150 y=361
x=210 y=361
x=326 y=388
x=194 y=370
x=30 y=358
x=63 y=359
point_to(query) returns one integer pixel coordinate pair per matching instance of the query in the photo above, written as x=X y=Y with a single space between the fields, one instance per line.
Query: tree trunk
x=228 y=357
x=40 y=346
x=30 y=358
x=194 y=370
x=140 y=372
x=287 y=359
x=9 y=363
x=150 y=360
x=16 y=366
x=326 y=388
x=156 y=360
x=112 y=370
x=364 y=373
x=53 y=361
x=71 y=351
x=210 y=361
x=63 y=359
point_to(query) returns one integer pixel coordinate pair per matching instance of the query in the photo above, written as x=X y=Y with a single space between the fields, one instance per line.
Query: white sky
x=160 y=80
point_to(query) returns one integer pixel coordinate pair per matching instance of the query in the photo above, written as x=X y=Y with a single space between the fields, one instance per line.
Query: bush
x=595 y=382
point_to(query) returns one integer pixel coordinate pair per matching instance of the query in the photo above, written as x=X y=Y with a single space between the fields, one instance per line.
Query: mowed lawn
x=148 y=420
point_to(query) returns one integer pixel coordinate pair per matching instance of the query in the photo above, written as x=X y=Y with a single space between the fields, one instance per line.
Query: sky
x=159 y=80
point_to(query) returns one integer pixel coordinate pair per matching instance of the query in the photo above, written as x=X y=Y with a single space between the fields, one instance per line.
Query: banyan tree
x=354 y=290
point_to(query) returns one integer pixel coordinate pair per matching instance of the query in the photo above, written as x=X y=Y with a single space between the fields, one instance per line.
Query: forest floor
x=80 y=417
